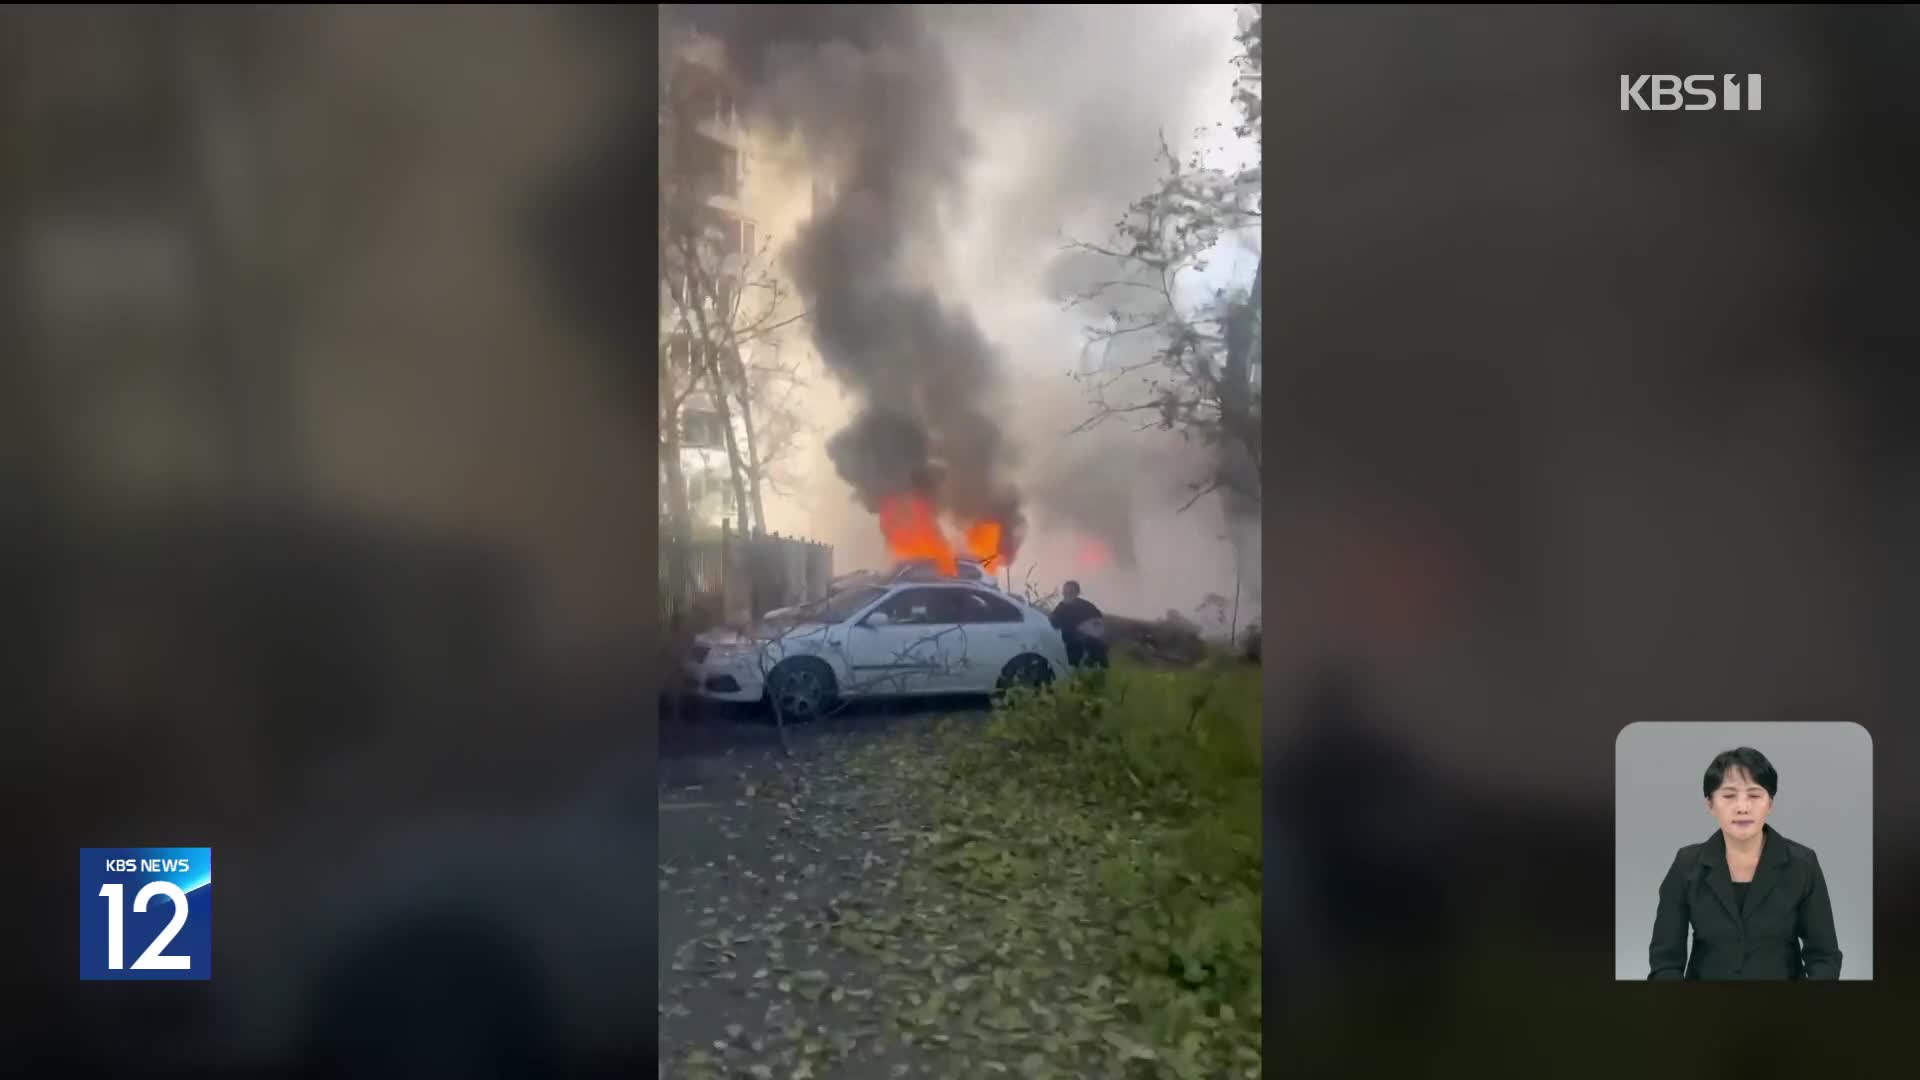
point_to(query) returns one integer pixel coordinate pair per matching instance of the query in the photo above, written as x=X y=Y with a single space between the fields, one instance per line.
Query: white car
x=900 y=639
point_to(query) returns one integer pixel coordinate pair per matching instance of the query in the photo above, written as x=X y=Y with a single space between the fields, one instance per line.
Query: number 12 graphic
x=154 y=903
x=153 y=958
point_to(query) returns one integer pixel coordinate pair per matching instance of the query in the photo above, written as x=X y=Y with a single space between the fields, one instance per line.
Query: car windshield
x=839 y=607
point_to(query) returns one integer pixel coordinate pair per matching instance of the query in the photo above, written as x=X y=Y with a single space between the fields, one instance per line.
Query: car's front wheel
x=800 y=690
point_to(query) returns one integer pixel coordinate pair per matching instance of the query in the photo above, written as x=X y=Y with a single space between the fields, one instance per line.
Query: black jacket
x=1069 y=614
x=1784 y=932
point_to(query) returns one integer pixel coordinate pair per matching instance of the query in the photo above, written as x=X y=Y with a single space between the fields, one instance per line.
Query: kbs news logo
x=153 y=905
x=1664 y=93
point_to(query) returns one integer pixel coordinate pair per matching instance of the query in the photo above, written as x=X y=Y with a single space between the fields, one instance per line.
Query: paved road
x=760 y=856
x=714 y=740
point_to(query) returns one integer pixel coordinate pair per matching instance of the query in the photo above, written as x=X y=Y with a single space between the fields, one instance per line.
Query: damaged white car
x=904 y=638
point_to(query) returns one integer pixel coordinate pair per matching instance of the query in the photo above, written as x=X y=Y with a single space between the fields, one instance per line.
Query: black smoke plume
x=873 y=96
x=884 y=452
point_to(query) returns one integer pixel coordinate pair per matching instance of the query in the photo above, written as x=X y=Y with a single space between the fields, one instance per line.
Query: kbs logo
x=146 y=913
x=1665 y=93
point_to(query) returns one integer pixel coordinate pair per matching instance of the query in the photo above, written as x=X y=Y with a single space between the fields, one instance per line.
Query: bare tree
x=732 y=310
x=1197 y=370
x=775 y=425
x=692 y=288
x=679 y=378
x=723 y=291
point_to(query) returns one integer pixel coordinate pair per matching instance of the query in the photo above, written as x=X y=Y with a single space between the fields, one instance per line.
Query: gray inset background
x=1825 y=802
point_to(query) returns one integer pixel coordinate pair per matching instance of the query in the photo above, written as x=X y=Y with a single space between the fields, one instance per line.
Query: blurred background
x=328 y=515
x=1589 y=417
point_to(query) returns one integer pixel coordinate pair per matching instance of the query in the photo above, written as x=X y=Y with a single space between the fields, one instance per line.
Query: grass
x=1095 y=852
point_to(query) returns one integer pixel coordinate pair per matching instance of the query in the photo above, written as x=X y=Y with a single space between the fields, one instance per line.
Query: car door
x=904 y=652
x=991 y=632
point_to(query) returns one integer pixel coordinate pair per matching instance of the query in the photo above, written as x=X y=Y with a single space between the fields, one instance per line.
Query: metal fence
x=736 y=578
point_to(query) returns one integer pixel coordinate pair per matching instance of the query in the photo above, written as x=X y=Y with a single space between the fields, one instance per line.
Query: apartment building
x=739 y=184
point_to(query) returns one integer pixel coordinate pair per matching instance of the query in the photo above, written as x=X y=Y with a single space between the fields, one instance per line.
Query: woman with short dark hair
x=1756 y=901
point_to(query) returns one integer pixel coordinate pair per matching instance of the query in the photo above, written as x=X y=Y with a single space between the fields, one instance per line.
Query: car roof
x=919 y=572
x=893 y=587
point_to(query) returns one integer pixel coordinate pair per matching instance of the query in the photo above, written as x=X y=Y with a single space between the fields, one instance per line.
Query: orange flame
x=912 y=529
x=983 y=543
x=912 y=532
x=1093 y=554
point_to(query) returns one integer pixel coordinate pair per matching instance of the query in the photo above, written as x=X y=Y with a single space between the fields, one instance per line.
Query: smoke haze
x=1067 y=104
x=1623 y=395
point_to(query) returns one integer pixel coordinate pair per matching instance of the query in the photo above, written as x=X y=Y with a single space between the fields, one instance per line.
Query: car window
x=919 y=606
x=978 y=607
x=837 y=608
x=950 y=605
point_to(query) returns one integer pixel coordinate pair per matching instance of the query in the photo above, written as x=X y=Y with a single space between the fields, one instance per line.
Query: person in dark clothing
x=1755 y=901
x=1085 y=645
